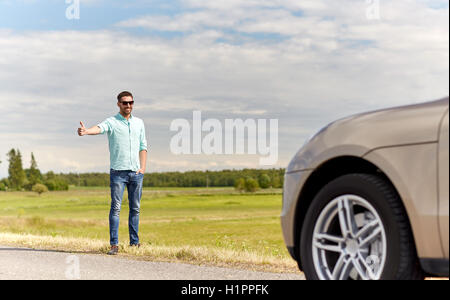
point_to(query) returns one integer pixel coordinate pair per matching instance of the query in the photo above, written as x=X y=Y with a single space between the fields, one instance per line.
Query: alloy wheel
x=349 y=240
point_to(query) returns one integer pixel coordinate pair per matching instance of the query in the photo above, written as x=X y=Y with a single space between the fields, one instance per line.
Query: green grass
x=216 y=219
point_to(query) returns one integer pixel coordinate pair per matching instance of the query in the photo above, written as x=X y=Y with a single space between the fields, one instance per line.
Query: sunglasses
x=125 y=103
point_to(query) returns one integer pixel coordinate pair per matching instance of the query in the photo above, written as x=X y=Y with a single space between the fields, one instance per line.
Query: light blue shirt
x=126 y=139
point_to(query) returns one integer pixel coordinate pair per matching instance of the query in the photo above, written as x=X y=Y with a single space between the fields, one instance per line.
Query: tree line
x=243 y=180
x=27 y=179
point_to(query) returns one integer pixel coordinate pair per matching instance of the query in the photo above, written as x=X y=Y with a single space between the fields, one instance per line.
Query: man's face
x=126 y=105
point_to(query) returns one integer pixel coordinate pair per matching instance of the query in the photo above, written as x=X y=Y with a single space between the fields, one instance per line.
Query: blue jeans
x=133 y=182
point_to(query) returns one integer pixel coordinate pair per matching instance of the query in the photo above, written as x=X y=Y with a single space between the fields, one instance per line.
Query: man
x=128 y=156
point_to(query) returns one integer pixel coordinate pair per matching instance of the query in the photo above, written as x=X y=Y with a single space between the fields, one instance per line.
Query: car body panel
x=412 y=171
x=443 y=184
x=391 y=139
x=359 y=134
x=292 y=185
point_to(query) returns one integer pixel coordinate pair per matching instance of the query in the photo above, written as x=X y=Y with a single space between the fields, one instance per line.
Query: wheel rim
x=349 y=240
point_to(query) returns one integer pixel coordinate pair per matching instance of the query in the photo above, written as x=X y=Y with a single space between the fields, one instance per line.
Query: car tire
x=357 y=228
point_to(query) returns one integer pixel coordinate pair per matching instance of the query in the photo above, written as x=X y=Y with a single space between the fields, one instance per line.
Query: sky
x=304 y=63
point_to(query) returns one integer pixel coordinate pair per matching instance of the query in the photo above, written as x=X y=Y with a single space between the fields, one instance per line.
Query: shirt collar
x=120 y=117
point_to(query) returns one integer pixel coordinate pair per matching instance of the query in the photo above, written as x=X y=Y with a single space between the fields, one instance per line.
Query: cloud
x=305 y=63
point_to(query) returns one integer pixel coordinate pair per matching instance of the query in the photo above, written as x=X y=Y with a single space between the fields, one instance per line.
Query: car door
x=443 y=183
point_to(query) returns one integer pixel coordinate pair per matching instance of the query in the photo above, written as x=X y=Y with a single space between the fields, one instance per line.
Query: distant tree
x=264 y=181
x=251 y=185
x=276 y=182
x=50 y=175
x=39 y=188
x=34 y=175
x=51 y=184
x=57 y=184
x=240 y=184
x=176 y=179
x=16 y=173
x=4 y=183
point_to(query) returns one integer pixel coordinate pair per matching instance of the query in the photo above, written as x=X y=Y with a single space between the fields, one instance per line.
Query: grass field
x=215 y=226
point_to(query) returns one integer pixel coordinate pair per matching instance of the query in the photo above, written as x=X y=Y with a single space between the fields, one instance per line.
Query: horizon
x=154 y=172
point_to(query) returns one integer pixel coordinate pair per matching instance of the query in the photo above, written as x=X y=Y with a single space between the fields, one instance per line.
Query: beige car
x=367 y=196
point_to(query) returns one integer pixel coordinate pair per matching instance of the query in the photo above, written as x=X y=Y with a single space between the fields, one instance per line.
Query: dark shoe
x=114 y=250
x=135 y=245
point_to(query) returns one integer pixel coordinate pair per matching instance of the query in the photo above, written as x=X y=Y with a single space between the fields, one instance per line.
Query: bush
x=5 y=181
x=51 y=185
x=57 y=184
x=251 y=185
x=264 y=181
x=240 y=184
x=39 y=188
x=27 y=186
x=2 y=186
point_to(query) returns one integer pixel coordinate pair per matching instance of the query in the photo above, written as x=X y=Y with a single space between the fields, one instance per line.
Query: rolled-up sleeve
x=143 y=139
x=105 y=126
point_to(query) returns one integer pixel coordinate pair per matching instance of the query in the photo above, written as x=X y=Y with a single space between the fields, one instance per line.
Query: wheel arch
x=322 y=175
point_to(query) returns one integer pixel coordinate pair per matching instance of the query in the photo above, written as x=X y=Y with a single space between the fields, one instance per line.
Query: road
x=30 y=264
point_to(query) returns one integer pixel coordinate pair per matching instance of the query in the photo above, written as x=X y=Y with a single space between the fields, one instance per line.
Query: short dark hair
x=124 y=94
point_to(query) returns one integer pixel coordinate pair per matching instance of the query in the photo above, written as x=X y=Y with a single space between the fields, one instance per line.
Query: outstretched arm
x=91 y=131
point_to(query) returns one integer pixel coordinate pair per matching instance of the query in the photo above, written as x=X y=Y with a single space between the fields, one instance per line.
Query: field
x=214 y=226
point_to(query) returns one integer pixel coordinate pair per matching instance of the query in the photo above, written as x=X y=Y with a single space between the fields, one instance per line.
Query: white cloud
x=331 y=62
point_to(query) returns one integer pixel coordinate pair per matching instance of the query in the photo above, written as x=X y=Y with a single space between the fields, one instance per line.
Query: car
x=366 y=198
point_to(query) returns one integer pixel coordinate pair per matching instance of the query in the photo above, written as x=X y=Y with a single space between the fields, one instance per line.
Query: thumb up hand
x=82 y=130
